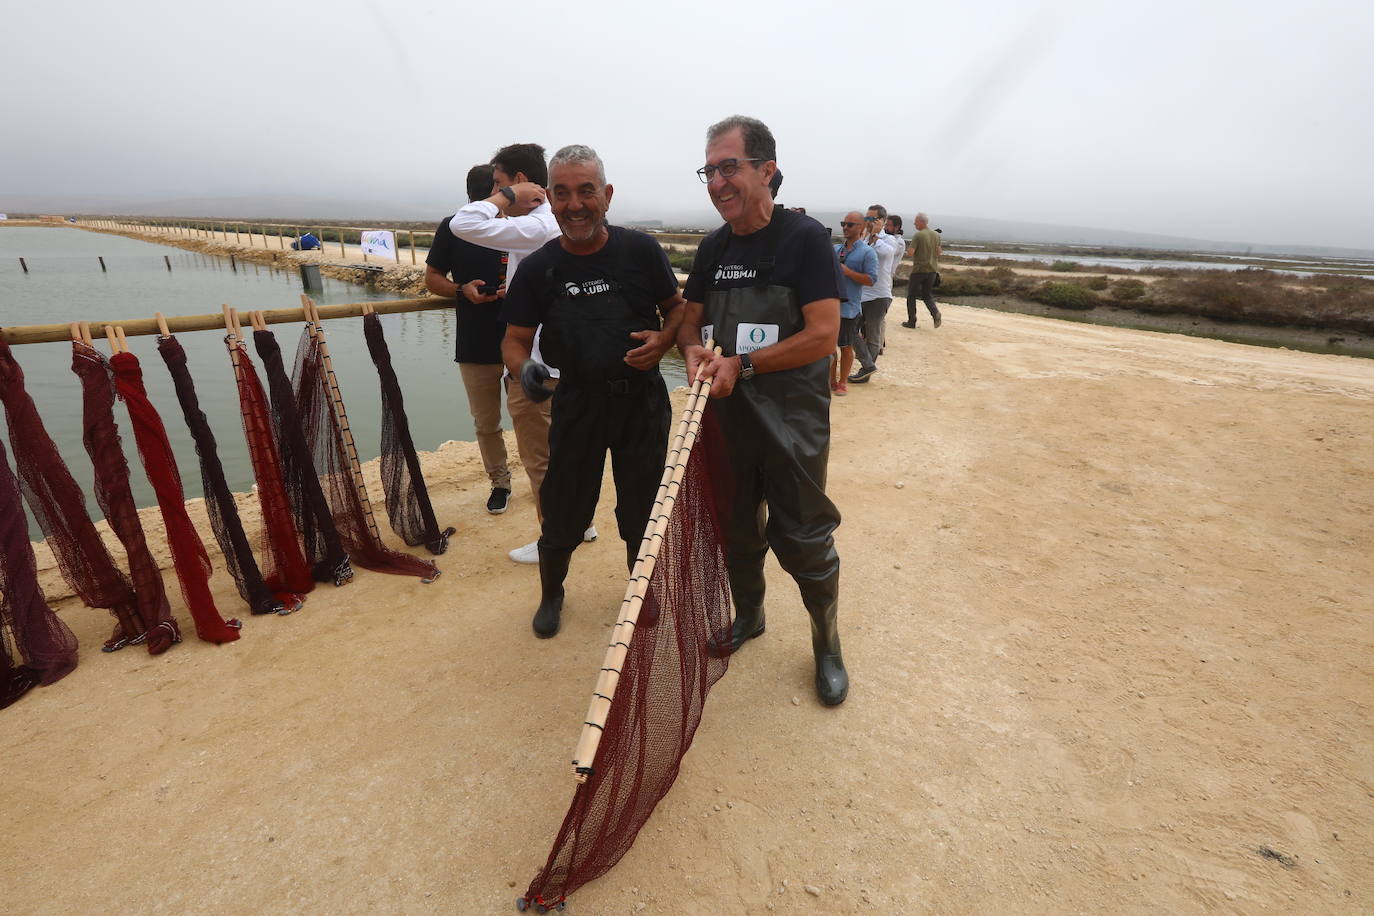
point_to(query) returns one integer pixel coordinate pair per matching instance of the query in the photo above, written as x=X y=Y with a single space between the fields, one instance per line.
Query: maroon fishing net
x=36 y=647
x=152 y=620
x=309 y=508
x=407 y=497
x=60 y=508
x=288 y=572
x=325 y=430
x=219 y=499
x=189 y=558
x=672 y=663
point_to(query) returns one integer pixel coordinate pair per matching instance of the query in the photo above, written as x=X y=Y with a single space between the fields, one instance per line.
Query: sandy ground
x=1107 y=613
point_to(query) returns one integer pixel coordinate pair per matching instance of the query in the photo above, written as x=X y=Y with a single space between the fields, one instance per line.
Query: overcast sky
x=1246 y=121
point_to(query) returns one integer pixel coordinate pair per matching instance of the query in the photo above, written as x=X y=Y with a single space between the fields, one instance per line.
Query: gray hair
x=758 y=139
x=922 y=216
x=577 y=154
x=882 y=211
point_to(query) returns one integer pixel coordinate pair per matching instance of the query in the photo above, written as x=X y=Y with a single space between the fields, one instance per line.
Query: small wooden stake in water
x=233 y=265
x=102 y=263
x=24 y=264
x=168 y=261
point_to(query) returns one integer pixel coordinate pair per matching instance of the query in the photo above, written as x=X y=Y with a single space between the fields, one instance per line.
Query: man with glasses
x=878 y=297
x=764 y=288
x=859 y=265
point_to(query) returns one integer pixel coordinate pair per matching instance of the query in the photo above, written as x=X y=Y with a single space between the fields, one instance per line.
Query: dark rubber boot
x=553 y=569
x=747 y=588
x=822 y=600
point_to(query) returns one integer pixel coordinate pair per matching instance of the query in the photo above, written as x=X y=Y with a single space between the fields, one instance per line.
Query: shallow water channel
x=65 y=282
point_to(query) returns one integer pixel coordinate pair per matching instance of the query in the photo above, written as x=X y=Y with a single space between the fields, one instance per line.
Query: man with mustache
x=764 y=287
x=607 y=305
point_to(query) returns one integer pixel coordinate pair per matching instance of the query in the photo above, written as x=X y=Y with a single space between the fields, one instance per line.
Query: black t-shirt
x=480 y=328
x=804 y=259
x=633 y=259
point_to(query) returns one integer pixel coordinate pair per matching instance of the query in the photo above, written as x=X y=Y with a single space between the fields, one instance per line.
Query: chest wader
x=600 y=404
x=777 y=431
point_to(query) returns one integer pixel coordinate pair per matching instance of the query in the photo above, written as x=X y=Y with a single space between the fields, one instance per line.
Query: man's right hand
x=469 y=289
x=533 y=375
x=528 y=195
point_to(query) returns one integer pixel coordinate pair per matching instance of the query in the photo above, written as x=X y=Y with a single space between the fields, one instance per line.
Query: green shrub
x=1064 y=267
x=1128 y=290
x=1096 y=283
x=1065 y=295
x=956 y=285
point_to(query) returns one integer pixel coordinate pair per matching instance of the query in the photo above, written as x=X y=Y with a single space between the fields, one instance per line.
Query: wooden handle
x=119 y=335
x=162 y=325
x=608 y=678
x=110 y=336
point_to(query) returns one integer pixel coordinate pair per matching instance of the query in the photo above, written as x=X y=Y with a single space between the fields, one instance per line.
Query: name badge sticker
x=751 y=337
x=708 y=334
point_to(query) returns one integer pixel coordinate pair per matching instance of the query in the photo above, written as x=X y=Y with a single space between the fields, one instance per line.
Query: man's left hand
x=647 y=356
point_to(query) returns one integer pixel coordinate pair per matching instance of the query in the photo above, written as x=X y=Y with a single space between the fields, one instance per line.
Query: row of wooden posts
x=206 y=229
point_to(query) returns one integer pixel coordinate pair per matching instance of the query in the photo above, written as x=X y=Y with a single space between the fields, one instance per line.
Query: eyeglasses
x=870 y=219
x=726 y=167
x=850 y=225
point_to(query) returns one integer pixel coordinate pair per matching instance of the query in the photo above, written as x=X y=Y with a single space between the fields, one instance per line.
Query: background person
x=859 y=267
x=925 y=262
x=876 y=299
x=459 y=269
x=516 y=219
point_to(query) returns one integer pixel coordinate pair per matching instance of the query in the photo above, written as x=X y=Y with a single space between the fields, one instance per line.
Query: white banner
x=380 y=242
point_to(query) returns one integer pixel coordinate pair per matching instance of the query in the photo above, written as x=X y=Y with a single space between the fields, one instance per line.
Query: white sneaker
x=529 y=554
x=589 y=534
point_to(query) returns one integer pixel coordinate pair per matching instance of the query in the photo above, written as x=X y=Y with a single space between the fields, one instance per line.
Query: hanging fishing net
x=60 y=508
x=323 y=548
x=101 y=438
x=286 y=571
x=672 y=662
x=407 y=497
x=36 y=647
x=330 y=441
x=191 y=562
x=219 y=499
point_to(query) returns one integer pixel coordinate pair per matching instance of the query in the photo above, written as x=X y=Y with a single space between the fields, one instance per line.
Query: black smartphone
x=488 y=289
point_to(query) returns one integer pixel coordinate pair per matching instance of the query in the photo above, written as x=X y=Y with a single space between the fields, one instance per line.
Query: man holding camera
x=471 y=274
x=606 y=303
x=516 y=219
x=876 y=299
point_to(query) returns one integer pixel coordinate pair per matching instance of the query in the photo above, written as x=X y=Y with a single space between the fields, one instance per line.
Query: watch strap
x=509 y=194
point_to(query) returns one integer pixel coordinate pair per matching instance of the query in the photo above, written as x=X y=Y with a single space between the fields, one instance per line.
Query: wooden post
x=233 y=265
x=24 y=264
x=281 y=241
x=411 y=233
x=102 y=263
x=236 y=233
x=168 y=261
x=342 y=253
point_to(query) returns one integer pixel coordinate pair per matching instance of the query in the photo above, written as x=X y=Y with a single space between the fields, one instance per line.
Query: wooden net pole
x=608 y=679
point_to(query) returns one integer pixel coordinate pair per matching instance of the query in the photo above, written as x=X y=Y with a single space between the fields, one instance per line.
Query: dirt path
x=1107 y=613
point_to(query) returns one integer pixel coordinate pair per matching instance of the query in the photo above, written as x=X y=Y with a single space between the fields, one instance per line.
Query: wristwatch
x=746 y=367
x=510 y=195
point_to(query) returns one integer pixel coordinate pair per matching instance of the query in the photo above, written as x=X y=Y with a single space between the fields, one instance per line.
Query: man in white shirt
x=517 y=219
x=878 y=297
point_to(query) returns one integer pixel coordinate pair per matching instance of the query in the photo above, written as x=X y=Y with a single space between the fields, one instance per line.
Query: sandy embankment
x=1110 y=646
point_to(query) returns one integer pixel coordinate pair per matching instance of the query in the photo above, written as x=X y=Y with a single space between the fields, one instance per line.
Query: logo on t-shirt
x=735 y=272
x=588 y=287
